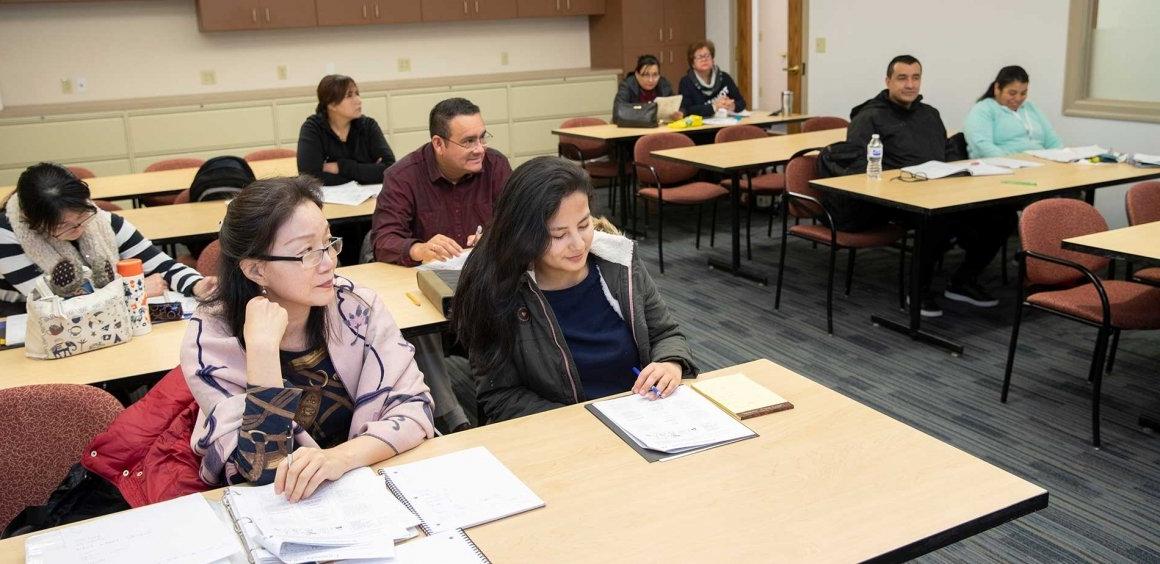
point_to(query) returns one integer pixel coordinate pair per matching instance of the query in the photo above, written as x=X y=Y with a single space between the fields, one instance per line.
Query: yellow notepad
x=741 y=397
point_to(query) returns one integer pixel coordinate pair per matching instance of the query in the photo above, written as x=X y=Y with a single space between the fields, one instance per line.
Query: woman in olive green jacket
x=554 y=312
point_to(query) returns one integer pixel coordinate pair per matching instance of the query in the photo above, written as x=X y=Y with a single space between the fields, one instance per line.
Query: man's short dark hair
x=904 y=59
x=445 y=111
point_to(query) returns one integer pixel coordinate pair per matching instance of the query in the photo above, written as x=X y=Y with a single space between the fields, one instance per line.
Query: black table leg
x=734 y=265
x=1150 y=423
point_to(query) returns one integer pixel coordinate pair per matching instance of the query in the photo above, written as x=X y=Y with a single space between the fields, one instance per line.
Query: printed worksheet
x=683 y=421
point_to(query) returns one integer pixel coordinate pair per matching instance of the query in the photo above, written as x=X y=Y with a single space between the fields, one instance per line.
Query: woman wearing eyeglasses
x=706 y=88
x=645 y=84
x=1004 y=121
x=50 y=227
x=300 y=375
x=338 y=143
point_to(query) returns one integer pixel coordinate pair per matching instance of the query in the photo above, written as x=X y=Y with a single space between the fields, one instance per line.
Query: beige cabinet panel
x=403 y=143
x=140 y=163
x=85 y=139
x=290 y=118
x=535 y=137
x=501 y=138
x=411 y=111
x=202 y=130
x=562 y=99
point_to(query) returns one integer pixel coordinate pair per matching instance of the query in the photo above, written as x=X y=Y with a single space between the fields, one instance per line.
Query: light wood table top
x=159 y=350
x=146 y=183
x=830 y=480
x=1138 y=243
x=949 y=194
x=610 y=131
x=198 y=219
x=741 y=155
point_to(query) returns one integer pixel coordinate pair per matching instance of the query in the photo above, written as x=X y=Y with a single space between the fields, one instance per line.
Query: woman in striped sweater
x=50 y=227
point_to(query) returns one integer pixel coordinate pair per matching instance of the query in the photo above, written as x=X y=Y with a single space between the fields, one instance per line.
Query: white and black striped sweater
x=18 y=273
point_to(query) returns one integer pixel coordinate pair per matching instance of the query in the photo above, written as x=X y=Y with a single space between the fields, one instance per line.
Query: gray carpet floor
x=1104 y=504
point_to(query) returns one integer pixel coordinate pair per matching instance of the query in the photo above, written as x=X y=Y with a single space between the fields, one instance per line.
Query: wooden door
x=540 y=8
x=684 y=22
x=394 y=11
x=344 y=12
x=795 y=60
x=583 y=7
x=227 y=15
x=446 y=10
x=643 y=22
x=288 y=13
x=494 y=9
x=743 y=71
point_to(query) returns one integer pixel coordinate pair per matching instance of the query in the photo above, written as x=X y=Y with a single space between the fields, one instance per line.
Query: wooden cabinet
x=367 y=12
x=553 y=8
x=454 y=10
x=233 y=15
x=631 y=28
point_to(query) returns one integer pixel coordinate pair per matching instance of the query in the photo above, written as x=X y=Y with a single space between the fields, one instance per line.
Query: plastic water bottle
x=874 y=152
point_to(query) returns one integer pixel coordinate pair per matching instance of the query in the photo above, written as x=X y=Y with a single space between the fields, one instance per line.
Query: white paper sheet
x=1146 y=159
x=1068 y=154
x=454 y=263
x=15 y=329
x=683 y=421
x=1007 y=162
x=350 y=194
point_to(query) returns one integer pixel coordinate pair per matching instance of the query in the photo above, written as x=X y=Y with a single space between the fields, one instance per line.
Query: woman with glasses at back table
x=300 y=375
x=50 y=227
x=706 y=88
x=644 y=85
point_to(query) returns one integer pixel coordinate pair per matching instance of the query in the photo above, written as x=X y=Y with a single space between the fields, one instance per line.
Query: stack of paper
x=1068 y=154
x=931 y=170
x=741 y=397
x=1007 y=162
x=1147 y=160
x=683 y=422
x=350 y=194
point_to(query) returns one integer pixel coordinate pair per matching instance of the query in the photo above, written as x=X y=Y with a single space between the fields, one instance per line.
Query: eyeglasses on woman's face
x=312 y=258
x=67 y=227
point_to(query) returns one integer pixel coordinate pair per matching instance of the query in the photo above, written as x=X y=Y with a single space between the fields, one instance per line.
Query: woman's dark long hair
x=484 y=315
x=47 y=190
x=248 y=230
x=644 y=61
x=1007 y=75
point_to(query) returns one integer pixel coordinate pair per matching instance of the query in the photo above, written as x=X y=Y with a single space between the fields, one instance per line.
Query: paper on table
x=15 y=329
x=683 y=421
x=933 y=170
x=1006 y=162
x=454 y=263
x=145 y=534
x=742 y=113
x=1068 y=154
x=1146 y=159
x=719 y=121
x=447 y=547
x=667 y=106
x=350 y=194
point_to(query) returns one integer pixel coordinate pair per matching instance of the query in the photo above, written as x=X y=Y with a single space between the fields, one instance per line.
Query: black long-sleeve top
x=362 y=158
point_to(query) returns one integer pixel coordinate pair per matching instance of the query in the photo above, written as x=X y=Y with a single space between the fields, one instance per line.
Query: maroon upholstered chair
x=585 y=150
x=270 y=154
x=667 y=182
x=756 y=184
x=169 y=164
x=1063 y=282
x=822 y=123
x=44 y=429
x=210 y=257
x=801 y=201
x=1143 y=203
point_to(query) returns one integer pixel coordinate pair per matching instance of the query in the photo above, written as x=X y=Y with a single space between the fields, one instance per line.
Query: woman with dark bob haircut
x=555 y=312
x=338 y=143
x=50 y=227
x=300 y=375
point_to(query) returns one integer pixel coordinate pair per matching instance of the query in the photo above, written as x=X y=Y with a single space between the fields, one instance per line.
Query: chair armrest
x=1107 y=308
x=571 y=152
x=787 y=196
x=653 y=171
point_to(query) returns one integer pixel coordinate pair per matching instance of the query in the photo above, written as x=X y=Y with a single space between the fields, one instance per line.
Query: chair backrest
x=45 y=428
x=182 y=197
x=668 y=172
x=173 y=164
x=210 y=257
x=798 y=172
x=270 y=154
x=589 y=148
x=739 y=133
x=81 y=172
x=1143 y=202
x=823 y=122
x=1042 y=228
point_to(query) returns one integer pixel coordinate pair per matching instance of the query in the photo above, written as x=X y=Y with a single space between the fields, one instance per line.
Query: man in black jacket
x=912 y=133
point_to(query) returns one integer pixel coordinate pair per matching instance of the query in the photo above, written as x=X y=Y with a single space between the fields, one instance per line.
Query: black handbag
x=635 y=115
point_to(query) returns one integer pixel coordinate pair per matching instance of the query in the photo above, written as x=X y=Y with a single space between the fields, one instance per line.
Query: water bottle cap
x=874 y=136
x=130 y=267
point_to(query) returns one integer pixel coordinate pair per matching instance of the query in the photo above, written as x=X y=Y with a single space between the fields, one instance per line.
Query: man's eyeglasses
x=472 y=143
x=906 y=176
x=62 y=229
x=312 y=258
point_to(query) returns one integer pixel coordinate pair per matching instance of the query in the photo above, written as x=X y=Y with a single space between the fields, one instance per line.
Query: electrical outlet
x=208 y=78
x=282 y=73
x=404 y=64
x=820 y=45
x=66 y=86
x=82 y=84
x=503 y=58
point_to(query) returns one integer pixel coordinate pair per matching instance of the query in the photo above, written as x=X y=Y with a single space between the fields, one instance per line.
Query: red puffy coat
x=145 y=452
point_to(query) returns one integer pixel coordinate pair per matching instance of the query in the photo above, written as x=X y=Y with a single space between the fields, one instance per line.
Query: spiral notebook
x=459 y=490
x=448 y=547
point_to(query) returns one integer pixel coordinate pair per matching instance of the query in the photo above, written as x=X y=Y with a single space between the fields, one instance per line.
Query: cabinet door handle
x=477 y=6
x=465 y=7
x=557 y=5
x=254 y=14
x=267 y=15
x=364 y=11
x=670 y=55
x=660 y=34
x=569 y=5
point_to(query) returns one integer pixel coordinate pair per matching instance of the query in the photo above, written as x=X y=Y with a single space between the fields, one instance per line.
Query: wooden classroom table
x=737 y=157
x=147 y=183
x=1139 y=244
x=926 y=200
x=159 y=350
x=184 y=222
x=830 y=480
x=622 y=139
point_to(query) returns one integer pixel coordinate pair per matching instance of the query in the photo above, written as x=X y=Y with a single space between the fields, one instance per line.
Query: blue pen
x=652 y=389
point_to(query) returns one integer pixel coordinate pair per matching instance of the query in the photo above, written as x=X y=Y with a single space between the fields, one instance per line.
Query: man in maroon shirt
x=434 y=202
x=437 y=198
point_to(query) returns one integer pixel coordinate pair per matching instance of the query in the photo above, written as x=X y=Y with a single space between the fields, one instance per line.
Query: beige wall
x=153 y=48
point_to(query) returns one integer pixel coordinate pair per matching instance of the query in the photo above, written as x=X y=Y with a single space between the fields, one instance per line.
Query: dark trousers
x=980 y=232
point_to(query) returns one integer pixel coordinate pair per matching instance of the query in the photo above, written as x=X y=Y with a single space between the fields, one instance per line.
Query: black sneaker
x=929 y=306
x=971 y=293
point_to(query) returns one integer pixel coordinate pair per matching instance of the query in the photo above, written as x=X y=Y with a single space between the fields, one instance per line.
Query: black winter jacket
x=363 y=157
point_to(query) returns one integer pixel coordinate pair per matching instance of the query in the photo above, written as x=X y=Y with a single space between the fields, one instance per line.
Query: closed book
x=741 y=397
x=439 y=287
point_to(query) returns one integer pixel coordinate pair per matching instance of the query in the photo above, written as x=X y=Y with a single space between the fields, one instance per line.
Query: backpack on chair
x=220 y=178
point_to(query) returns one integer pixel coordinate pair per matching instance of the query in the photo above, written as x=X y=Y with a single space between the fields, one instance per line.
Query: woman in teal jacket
x=1003 y=121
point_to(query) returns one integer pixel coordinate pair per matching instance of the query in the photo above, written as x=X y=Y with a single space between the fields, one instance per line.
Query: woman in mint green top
x=1003 y=121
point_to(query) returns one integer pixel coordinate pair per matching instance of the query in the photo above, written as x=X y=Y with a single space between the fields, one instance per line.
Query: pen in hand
x=651 y=389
